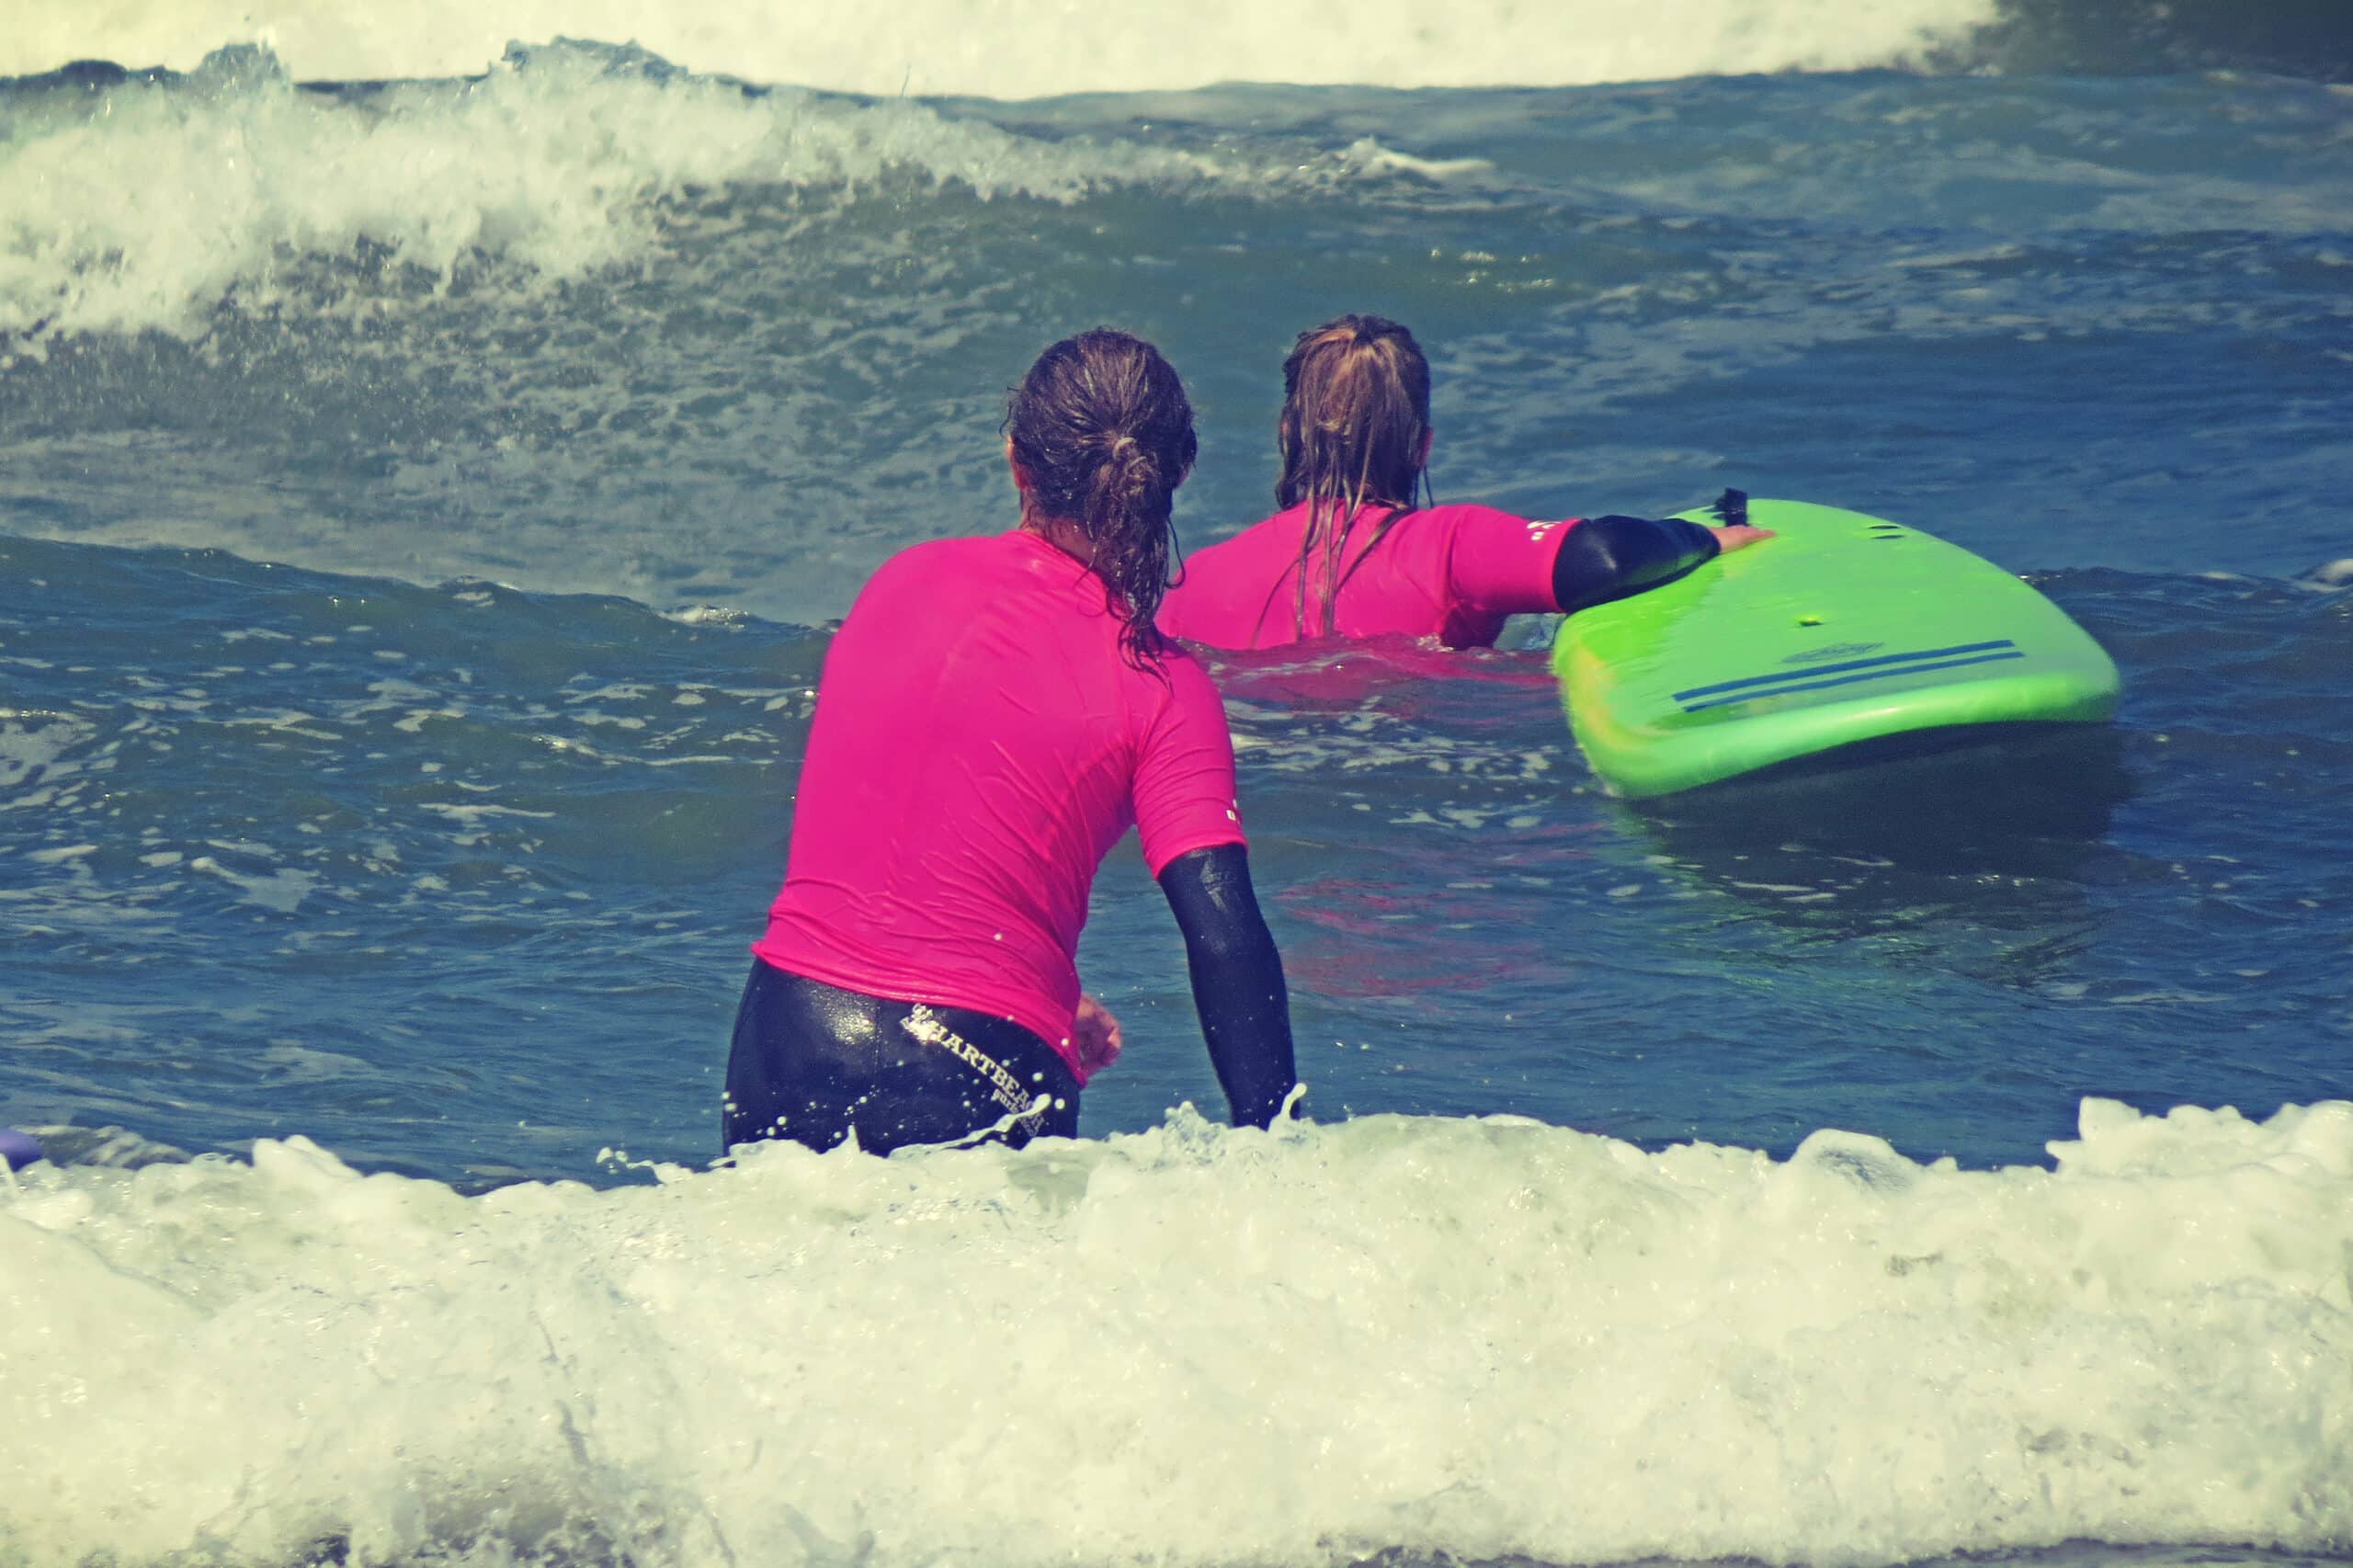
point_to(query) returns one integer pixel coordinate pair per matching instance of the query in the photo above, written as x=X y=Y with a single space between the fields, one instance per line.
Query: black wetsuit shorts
x=812 y=1063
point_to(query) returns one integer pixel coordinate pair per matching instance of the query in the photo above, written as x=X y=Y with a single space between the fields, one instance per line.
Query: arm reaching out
x=1237 y=979
x=1610 y=557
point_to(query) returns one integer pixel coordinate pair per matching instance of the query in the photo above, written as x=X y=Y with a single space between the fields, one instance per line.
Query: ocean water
x=435 y=445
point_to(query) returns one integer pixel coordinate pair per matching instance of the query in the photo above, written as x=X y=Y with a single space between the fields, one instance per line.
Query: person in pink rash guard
x=994 y=714
x=1351 y=556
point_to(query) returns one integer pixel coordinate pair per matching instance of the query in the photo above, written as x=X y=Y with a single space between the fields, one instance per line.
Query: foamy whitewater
x=1021 y=49
x=435 y=442
x=1482 y=1339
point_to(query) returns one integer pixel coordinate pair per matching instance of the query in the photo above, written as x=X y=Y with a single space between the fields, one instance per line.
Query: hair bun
x=1102 y=434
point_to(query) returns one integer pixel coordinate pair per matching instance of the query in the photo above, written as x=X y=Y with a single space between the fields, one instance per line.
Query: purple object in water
x=17 y=1148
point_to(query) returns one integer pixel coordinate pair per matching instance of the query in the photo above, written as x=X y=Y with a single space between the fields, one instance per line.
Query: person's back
x=1350 y=555
x=1453 y=573
x=993 y=715
x=997 y=657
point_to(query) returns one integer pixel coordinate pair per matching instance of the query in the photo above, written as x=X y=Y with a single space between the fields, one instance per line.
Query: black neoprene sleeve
x=1610 y=557
x=1237 y=979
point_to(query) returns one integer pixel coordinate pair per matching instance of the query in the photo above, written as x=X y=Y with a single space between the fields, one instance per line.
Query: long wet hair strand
x=1353 y=433
x=1104 y=432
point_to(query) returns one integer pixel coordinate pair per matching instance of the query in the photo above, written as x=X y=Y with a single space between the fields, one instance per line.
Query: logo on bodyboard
x=1845 y=671
x=1835 y=651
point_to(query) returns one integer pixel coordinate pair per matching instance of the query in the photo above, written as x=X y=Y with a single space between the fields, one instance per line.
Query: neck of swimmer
x=1063 y=534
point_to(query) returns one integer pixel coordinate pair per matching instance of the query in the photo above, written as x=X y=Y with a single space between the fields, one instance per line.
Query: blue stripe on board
x=1849 y=665
x=1850 y=680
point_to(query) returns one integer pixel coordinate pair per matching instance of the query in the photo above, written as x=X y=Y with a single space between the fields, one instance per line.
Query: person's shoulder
x=952 y=559
x=959 y=550
x=1214 y=581
x=1478 y=513
x=902 y=571
x=1475 y=525
x=929 y=555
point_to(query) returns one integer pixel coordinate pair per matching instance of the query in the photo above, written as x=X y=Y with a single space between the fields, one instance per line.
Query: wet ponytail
x=1104 y=434
x=1356 y=416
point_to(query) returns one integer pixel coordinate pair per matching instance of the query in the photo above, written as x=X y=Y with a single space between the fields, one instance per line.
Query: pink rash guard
x=980 y=743
x=1453 y=573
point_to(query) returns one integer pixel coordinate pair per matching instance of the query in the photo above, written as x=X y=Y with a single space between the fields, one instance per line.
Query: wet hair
x=1104 y=435
x=1355 y=413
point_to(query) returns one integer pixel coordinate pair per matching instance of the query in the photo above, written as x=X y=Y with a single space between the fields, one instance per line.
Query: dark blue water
x=422 y=509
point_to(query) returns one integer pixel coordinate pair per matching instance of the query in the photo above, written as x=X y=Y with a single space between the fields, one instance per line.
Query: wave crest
x=140 y=203
x=1016 y=49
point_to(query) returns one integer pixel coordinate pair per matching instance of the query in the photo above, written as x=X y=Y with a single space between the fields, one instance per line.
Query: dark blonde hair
x=1104 y=432
x=1356 y=417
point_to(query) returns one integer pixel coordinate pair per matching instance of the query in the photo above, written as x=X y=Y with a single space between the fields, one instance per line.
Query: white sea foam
x=1195 y=1346
x=142 y=205
x=1014 y=48
x=33 y=748
x=554 y=166
x=283 y=889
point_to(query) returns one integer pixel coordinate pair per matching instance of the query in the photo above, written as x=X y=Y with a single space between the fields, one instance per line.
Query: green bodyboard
x=1841 y=630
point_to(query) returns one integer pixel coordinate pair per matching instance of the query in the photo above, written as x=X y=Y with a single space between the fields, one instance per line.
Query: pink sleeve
x=1184 y=788
x=1503 y=564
